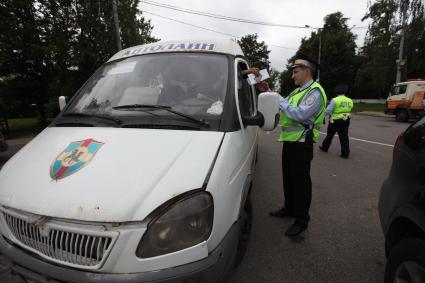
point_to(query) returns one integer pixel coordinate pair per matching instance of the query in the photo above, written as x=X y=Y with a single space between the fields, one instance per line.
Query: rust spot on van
x=96 y=210
x=80 y=210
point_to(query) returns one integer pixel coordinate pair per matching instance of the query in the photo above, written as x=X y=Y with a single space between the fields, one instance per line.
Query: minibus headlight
x=185 y=223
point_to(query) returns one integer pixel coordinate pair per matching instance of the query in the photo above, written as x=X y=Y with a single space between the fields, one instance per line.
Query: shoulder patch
x=310 y=100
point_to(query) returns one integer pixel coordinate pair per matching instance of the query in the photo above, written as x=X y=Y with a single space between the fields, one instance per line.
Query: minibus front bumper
x=214 y=268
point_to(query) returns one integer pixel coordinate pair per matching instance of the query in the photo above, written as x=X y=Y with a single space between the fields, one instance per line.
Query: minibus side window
x=245 y=95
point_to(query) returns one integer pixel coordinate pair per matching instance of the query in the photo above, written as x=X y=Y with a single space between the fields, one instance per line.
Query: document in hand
x=252 y=79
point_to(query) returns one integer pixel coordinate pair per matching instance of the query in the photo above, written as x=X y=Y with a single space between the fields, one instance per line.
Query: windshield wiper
x=166 y=108
x=76 y=114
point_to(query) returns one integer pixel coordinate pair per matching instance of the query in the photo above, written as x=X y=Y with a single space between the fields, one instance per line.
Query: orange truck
x=406 y=100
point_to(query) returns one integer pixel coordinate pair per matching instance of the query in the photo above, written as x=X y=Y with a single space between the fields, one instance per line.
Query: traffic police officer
x=302 y=113
x=339 y=110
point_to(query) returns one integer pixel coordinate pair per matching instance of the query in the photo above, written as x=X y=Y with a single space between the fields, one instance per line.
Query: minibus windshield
x=194 y=84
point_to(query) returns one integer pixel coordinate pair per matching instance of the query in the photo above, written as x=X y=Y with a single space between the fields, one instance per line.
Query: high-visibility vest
x=293 y=131
x=343 y=106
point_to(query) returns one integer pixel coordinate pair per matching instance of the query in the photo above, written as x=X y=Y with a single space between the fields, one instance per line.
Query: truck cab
x=406 y=100
x=145 y=175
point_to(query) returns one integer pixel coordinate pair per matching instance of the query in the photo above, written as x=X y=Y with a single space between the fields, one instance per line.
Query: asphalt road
x=344 y=242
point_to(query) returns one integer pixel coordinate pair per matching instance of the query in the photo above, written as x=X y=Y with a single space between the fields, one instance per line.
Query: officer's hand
x=262 y=86
x=254 y=71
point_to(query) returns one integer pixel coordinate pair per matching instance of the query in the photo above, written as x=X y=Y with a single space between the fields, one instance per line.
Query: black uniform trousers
x=296 y=161
x=341 y=127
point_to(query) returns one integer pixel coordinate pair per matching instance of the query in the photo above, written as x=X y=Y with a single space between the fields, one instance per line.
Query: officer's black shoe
x=323 y=149
x=283 y=212
x=344 y=156
x=296 y=229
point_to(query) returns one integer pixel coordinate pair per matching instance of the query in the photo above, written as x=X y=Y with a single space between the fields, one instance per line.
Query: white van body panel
x=134 y=172
x=234 y=163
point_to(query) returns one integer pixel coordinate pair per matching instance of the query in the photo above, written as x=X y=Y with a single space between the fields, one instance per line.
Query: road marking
x=356 y=139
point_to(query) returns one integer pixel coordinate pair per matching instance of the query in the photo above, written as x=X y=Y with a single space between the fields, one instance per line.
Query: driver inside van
x=203 y=86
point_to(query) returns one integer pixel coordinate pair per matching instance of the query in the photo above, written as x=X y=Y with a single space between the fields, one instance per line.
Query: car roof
x=226 y=46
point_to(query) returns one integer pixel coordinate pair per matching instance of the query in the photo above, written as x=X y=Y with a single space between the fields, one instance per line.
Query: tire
x=245 y=224
x=401 y=116
x=406 y=262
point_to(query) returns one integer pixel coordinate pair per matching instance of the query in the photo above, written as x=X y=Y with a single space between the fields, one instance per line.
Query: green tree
x=135 y=29
x=285 y=81
x=256 y=52
x=257 y=55
x=415 y=41
x=379 y=53
x=338 y=63
x=381 y=49
x=59 y=40
x=49 y=48
x=23 y=60
x=274 y=81
x=96 y=40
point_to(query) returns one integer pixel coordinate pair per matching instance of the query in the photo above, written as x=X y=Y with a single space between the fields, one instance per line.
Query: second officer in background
x=339 y=110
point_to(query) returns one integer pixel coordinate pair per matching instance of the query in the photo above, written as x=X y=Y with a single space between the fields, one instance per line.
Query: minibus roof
x=226 y=46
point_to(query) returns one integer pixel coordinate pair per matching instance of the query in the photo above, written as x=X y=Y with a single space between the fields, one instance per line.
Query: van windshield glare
x=193 y=84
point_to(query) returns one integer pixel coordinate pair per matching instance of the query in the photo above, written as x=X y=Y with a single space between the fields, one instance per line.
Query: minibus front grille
x=65 y=245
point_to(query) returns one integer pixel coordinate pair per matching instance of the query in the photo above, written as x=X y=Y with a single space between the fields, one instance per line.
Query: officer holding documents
x=302 y=113
x=339 y=110
x=261 y=86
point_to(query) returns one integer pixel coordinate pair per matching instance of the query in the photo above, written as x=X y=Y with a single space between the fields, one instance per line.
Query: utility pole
x=401 y=62
x=117 y=24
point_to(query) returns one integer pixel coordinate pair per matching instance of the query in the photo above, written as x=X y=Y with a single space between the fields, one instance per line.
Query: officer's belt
x=299 y=128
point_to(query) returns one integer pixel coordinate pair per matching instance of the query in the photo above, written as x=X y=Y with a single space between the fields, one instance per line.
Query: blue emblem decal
x=77 y=155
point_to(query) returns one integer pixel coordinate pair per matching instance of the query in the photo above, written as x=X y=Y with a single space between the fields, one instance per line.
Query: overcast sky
x=283 y=42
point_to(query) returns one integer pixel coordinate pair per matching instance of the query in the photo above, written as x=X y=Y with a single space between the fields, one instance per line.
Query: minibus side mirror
x=257 y=120
x=268 y=106
x=62 y=102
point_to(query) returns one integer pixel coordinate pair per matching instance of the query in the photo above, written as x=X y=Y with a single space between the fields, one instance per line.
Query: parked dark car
x=3 y=144
x=402 y=208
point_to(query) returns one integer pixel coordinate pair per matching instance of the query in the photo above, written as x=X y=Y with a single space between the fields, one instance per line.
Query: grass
x=29 y=127
x=23 y=128
x=374 y=107
x=22 y=123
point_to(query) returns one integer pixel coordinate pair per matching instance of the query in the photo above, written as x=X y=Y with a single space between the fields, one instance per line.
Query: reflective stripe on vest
x=293 y=131
x=343 y=106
